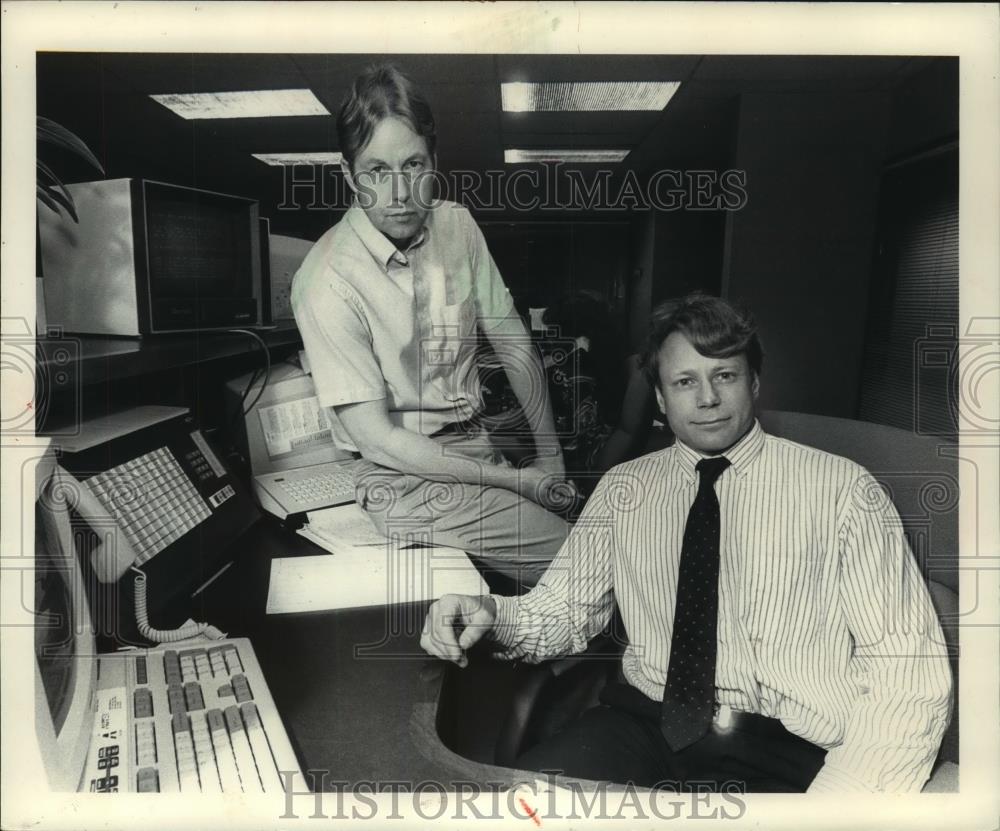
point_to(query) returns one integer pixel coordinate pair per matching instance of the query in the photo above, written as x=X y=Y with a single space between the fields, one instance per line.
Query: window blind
x=909 y=378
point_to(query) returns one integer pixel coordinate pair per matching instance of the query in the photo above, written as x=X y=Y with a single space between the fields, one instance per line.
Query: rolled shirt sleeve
x=899 y=665
x=337 y=340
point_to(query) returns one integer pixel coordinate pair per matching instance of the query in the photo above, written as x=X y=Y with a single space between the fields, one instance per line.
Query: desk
x=358 y=695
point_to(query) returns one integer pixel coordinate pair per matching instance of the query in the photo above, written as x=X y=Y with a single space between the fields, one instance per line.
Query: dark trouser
x=620 y=741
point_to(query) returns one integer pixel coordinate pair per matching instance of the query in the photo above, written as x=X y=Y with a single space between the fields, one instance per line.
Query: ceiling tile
x=595 y=67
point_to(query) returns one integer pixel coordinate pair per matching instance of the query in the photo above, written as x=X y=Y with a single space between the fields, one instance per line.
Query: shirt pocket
x=449 y=346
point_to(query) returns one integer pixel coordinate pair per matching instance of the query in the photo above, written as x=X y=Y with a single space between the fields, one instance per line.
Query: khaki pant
x=498 y=528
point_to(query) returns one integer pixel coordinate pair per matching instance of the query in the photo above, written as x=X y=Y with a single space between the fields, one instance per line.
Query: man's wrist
x=504 y=621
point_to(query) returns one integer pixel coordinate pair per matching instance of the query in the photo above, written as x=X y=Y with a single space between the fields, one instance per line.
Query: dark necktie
x=689 y=694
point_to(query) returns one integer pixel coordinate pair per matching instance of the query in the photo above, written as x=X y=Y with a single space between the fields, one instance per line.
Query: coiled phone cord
x=190 y=630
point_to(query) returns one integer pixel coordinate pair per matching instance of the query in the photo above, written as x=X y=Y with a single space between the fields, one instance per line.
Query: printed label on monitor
x=294 y=426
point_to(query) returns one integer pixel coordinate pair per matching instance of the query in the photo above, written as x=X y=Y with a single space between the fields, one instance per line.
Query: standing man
x=780 y=633
x=389 y=302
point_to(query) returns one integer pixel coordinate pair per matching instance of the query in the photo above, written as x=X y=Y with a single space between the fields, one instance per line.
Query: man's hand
x=454 y=623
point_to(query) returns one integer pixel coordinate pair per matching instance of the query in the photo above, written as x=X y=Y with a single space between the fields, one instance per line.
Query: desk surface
x=358 y=696
x=104 y=359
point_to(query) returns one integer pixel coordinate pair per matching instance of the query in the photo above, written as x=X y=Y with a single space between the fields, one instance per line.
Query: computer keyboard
x=197 y=720
x=152 y=499
x=330 y=485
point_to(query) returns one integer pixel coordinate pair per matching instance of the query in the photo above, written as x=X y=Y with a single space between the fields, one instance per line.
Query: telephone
x=159 y=502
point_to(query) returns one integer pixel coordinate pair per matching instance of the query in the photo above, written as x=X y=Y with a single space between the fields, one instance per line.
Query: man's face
x=390 y=179
x=708 y=402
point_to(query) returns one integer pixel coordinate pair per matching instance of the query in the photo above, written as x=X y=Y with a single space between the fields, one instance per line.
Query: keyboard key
x=217 y=662
x=233 y=663
x=142 y=702
x=201 y=664
x=225 y=691
x=140 y=670
x=176 y=700
x=195 y=700
x=188 y=672
x=145 y=743
x=147 y=780
x=245 y=765
x=187 y=765
x=171 y=667
x=241 y=688
x=264 y=761
x=207 y=769
x=228 y=775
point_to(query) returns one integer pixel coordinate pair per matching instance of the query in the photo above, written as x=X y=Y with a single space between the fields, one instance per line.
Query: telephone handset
x=111 y=555
x=162 y=504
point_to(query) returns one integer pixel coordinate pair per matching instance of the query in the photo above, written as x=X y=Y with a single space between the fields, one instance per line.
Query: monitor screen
x=65 y=648
x=54 y=645
x=200 y=244
x=294 y=425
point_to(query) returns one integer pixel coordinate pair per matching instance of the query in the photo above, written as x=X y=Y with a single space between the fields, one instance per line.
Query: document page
x=357 y=576
x=293 y=425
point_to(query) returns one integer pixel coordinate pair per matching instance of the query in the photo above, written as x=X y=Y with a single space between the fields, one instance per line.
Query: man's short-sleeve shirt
x=379 y=323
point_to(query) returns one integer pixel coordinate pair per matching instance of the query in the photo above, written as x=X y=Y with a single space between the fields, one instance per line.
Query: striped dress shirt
x=824 y=619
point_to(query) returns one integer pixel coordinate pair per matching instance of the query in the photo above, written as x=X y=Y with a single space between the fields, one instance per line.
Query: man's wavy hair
x=715 y=328
x=382 y=91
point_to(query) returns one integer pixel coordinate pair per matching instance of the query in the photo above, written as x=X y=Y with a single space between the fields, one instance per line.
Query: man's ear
x=659 y=400
x=755 y=386
x=345 y=168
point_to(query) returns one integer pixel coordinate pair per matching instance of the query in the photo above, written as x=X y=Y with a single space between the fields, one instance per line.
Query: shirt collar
x=377 y=243
x=741 y=455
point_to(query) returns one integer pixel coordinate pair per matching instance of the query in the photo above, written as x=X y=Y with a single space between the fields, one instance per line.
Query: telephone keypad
x=152 y=500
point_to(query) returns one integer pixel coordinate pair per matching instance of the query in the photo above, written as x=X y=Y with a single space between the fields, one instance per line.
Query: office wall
x=924 y=109
x=542 y=262
x=800 y=253
x=640 y=279
x=688 y=253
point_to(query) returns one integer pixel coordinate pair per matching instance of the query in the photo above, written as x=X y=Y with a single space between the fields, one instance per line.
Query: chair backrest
x=918 y=475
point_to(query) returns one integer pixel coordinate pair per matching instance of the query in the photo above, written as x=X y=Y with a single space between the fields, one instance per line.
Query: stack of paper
x=333 y=528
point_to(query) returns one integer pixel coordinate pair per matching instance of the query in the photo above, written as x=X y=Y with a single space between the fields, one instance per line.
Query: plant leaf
x=57 y=190
x=59 y=199
x=52 y=133
x=46 y=199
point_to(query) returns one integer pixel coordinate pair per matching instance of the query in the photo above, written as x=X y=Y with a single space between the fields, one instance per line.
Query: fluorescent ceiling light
x=578 y=96
x=514 y=156
x=282 y=159
x=262 y=103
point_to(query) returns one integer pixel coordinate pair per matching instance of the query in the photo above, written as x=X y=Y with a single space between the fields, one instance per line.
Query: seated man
x=388 y=302
x=780 y=634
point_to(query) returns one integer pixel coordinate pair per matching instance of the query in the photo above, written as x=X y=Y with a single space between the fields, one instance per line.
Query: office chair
x=923 y=484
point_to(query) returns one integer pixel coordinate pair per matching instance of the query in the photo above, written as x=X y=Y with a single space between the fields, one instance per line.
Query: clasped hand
x=456 y=622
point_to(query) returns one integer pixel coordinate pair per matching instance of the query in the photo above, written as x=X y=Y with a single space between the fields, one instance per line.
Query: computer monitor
x=286 y=427
x=65 y=649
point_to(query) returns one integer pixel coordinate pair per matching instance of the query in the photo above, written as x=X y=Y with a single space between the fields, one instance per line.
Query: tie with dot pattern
x=689 y=694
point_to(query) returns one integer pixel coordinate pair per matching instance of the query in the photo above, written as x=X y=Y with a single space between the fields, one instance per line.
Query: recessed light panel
x=580 y=96
x=283 y=159
x=515 y=156
x=264 y=103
